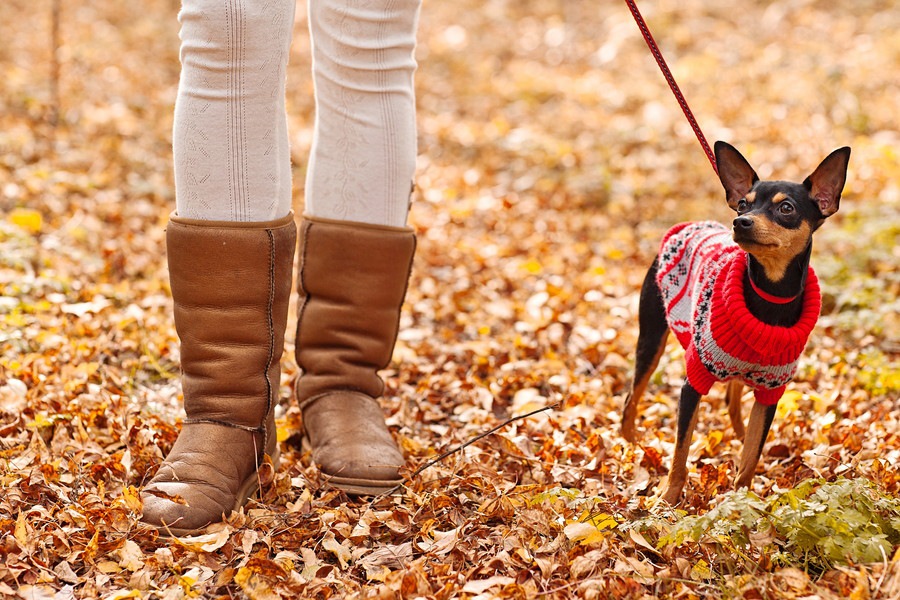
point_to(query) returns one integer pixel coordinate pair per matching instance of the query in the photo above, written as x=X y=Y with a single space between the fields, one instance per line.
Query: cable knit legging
x=230 y=139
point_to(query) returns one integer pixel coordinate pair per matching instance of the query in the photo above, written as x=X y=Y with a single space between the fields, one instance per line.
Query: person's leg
x=364 y=143
x=355 y=251
x=230 y=247
x=230 y=138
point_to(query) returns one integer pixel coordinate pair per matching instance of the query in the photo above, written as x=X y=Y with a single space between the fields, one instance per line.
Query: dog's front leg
x=761 y=416
x=687 y=421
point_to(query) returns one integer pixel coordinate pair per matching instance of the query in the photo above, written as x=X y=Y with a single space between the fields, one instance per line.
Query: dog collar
x=771 y=297
x=762 y=337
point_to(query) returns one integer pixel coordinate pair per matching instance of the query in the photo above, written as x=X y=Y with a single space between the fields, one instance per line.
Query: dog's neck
x=777 y=302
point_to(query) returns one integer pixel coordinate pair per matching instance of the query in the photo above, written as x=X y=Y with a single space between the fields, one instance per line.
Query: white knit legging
x=230 y=139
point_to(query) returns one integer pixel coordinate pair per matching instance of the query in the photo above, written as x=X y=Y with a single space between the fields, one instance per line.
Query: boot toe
x=360 y=471
x=166 y=508
x=351 y=443
x=210 y=471
x=371 y=461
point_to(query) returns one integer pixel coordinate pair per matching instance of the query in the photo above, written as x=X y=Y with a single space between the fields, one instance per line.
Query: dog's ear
x=735 y=173
x=827 y=182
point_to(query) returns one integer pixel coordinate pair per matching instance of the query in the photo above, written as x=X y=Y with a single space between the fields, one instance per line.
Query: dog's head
x=776 y=219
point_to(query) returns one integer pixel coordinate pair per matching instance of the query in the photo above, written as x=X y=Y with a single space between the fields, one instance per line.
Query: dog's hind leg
x=652 y=334
x=761 y=416
x=733 y=394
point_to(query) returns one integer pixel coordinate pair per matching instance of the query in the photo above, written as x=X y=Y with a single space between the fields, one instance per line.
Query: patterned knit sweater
x=701 y=279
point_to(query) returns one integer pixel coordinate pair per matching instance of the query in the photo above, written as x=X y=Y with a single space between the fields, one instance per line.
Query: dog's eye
x=742 y=205
x=785 y=208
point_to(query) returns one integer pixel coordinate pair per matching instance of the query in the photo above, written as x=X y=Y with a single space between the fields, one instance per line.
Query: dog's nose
x=744 y=223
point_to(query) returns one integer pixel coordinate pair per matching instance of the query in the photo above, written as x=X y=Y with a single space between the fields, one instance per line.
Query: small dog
x=742 y=309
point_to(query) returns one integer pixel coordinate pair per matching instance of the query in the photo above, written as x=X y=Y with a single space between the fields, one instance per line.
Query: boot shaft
x=231 y=283
x=352 y=281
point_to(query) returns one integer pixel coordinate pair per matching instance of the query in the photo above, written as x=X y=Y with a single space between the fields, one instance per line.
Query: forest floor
x=552 y=160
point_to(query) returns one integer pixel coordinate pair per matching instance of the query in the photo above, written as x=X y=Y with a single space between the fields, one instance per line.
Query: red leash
x=654 y=49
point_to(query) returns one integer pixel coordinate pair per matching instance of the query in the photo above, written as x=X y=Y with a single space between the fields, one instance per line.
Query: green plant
x=814 y=526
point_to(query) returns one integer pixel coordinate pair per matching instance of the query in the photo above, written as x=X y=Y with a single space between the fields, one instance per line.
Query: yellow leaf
x=281 y=431
x=789 y=402
x=122 y=594
x=285 y=560
x=583 y=533
x=532 y=266
x=28 y=219
x=601 y=520
x=701 y=570
x=187 y=586
x=132 y=498
x=861 y=591
x=712 y=440
x=40 y=421
x=21 y=532
x=93 y=546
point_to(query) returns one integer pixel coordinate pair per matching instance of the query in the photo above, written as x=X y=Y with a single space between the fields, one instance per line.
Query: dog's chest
x=700 y=277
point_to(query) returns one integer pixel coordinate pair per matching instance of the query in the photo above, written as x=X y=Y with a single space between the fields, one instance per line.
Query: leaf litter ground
x=552 y=159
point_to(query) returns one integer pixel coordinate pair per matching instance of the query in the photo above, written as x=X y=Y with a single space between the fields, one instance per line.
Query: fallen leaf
x=479 y=586
x=341 y=552
x=28 y=219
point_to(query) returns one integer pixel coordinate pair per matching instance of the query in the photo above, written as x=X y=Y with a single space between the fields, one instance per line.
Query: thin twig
x=54 y=64
x=468 y=442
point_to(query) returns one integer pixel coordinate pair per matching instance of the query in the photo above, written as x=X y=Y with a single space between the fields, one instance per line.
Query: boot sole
x=354 y=486
x=361 y=487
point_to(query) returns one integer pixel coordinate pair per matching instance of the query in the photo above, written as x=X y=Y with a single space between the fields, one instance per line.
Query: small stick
x=54 y=63
x=469 y=442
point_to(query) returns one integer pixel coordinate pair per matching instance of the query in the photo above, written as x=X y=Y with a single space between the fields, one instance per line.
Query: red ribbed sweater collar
x=769 y=340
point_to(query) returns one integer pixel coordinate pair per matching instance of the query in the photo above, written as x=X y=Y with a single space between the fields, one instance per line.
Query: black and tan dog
x=742 y=302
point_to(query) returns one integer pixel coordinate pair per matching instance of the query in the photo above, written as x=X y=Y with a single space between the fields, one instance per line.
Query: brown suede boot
x=352 y=282
x=231 y=283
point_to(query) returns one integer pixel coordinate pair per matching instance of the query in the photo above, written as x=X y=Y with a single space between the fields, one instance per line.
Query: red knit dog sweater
x=701 y=279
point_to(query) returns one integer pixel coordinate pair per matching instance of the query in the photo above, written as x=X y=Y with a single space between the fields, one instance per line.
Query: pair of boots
x=231 y=283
